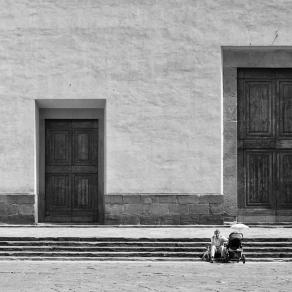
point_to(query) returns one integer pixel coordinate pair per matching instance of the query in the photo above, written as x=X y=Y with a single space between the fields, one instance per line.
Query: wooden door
x=265 y=142
x=71 y=170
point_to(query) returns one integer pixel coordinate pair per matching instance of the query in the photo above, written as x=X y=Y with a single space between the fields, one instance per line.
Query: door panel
x=58 y=147
x=265 y=142
x=71 y=170
x=58 y=199
x=58 y=191
x=259 y=178
x=81 y=198
x=256 y=128
x=84 y=147
x=84 y=187
x=84 y=203
x=258 y=108
x=285 y=179
x=285 y=110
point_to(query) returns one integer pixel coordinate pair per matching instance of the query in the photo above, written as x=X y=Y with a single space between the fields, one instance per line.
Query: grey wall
x=158 y=65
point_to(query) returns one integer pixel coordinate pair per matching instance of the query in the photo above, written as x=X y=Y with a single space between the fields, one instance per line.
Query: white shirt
x=218 y=241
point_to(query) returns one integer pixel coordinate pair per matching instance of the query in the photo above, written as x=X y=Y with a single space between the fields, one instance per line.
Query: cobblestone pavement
x=143 y=276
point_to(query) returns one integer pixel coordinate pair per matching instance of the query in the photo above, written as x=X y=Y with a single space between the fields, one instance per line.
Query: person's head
x=217 y=232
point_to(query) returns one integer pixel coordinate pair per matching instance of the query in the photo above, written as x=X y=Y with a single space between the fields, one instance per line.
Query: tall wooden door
x=71 y=170
x=265 y=143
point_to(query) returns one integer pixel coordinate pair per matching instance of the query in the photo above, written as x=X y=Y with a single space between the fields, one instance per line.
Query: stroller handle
x=236 y=233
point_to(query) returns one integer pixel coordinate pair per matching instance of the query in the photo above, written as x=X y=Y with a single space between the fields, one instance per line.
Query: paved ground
x=143 y=276
x=135 y=232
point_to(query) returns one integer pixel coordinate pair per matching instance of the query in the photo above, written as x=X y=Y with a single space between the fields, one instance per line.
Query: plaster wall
x=157 y=64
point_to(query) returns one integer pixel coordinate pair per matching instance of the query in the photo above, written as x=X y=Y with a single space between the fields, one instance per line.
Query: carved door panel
x=71 y=170
x=285 y=181
x=284 y=145
x=264 y=141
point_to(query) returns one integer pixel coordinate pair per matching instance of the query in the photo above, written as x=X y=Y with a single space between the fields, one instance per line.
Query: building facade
x=145 y=112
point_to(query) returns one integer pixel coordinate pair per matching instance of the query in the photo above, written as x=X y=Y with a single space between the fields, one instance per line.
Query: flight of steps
x=174 y=249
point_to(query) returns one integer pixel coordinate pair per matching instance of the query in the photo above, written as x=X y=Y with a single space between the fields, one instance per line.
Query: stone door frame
x=233 y=58
x=43 y=113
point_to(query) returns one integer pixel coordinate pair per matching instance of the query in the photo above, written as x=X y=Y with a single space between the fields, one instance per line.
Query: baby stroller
x=234 y=251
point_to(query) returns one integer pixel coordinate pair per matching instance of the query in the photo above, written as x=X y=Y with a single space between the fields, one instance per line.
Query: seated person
x=217 y=244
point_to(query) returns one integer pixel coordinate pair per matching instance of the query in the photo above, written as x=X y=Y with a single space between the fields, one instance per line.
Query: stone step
x=135 y=248
x=101 y=243
x=101 y=249
x=103 y=239
x=94 y=248
x=134 y=243
x=126 y=239
x=134 y=254
x=101 y=254
x=80 y=258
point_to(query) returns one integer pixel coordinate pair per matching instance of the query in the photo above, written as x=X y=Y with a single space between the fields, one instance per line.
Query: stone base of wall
x=17 y=208
x=163 y=209
x=128 y=209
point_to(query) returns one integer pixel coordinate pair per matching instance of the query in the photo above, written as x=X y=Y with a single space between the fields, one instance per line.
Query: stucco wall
x=157 y=64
